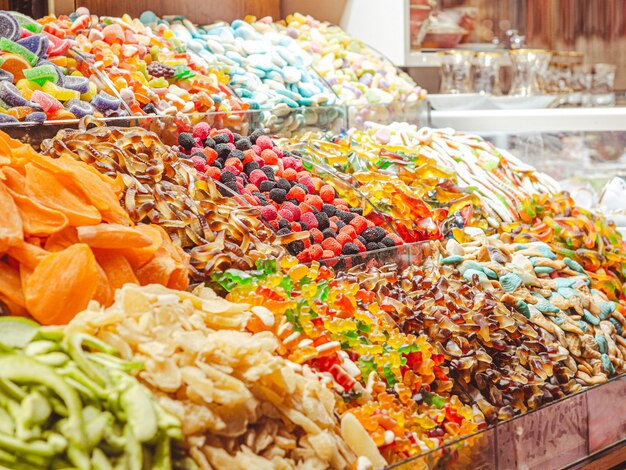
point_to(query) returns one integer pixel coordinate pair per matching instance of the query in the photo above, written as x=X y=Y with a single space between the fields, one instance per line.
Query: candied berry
x=302 y=186
x=374 y=234
x=344 y=216
x=284 y=230
x=315 y=252
x=209 y=142
x=278 y=195
x=199 y=154
x=340 y=224
x=218 y=164
x=322 y=220
x=303 y=226
x=255 y=135
x=266 y=186
x=232 y=185
x=249 y=167
x=282 y=223
x=361 y=239
x=332 y=245
x=264 y=142
x=182 y=155
x=388 y=242
x=223 y=150
x=329 y=233
x=327 y=193
x=371 y=246
x=262 y=198
x=243 y=144
x=269 y=212
x=295 y=247
x=329 y=209
x=237 y=137
x=381 y=246
x=227 y=176
x=357 y=210
x=310 y=219
x=297 y=193
x=317 y=235
x=221 y=138
x=350 y=249
x=237 y=154
x=283 y=184
x=186 y=141
x=269 y=171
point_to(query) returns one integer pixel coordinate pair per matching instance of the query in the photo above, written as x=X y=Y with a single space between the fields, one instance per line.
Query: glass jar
x=486 y=73
x=455 y=71
x=528 y=65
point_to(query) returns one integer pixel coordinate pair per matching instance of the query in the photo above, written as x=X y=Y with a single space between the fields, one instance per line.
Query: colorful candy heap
x=159 y=188
x=576 y=233
x=316 y=220
x=268 y=71
x=394 y=383
x=241 y=405
x=65 y=239
x=68 y=401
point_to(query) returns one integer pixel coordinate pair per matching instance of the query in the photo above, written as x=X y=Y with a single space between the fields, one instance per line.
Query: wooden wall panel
x=198 y=11
x=4 y=4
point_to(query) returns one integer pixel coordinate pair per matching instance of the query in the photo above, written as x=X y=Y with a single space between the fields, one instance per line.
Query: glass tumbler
x=528 y=65
x=603 y=86
x=486 y=73
x=455 y=71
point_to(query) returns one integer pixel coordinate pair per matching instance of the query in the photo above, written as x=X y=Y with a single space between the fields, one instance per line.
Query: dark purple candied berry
x=357 y=210
x=295 y=247
x=243 y=144
x=221 y=138
x=303 y=226
x=217 y=164
x=186 y=141
x=237 y=154
x=350 y=249
x=223 y=151
x=182 y=155
x=329 y=209
x=374 y=234
x=388 y=242
x=208 y=142
x=236 y=137
x=284 y=230
x=269 y=172
x=199 y=154
x=282 y=183
x=266 y=186
x=344 y=216
x=328 y=233
x=340 y=224
x=322 y=220
x=278 y=195
x=157 y=69
x=361 y=239
x=255 y=135
x=371 y=246
x=232 y=185
x=284 y=223
x=227 y=176
x=250 y=167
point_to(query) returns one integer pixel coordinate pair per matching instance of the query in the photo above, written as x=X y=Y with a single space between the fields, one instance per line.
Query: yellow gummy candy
x=60 y=93
x=93 y=89
x=25 y=83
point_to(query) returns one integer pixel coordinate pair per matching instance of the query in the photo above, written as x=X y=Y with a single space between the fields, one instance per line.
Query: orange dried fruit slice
x=157 y=270
x=62 y=285
x=104 y=294
x=137 y=257
x=36 y=218
x=27 y=254
x=112 y=236
x=61 y=240
x=11 y=228
x=117 y=268
x=11 y=289
x=13 y=179
x=52 y=192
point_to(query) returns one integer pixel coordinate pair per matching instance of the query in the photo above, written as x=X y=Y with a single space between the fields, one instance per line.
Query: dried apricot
x=112 y=236
x=11 y=229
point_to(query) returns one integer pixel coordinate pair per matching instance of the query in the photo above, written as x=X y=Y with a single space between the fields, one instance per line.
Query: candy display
x=68 y=401
x=65 y=239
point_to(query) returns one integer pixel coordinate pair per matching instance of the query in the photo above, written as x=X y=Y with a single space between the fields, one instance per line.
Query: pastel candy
x=48 y=103
x=9 y=26
x=105 y=102
x=60 y=93
x=80 y=84
x=37 y=44
x=11 y=95
x=37 y=116
x=7 y=119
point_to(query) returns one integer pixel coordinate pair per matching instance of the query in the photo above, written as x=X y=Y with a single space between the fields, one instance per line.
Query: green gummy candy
x=41 y=74
x=26 y=22
x=10 y=46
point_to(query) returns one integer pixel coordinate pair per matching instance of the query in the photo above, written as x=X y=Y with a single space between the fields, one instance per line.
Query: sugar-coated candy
x=9 y=27
x=79 y=108
x=38 y=44
x=41 y=74
x=105 y=102
x=80 y=84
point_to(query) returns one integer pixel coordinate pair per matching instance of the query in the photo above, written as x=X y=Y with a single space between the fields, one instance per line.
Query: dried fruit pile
x=158 y=188
x=65 y=239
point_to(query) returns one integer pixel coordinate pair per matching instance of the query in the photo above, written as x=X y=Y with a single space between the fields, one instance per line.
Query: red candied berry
x=231 y=146
x=315 y=252
x=309 y=219
x=210 y=154
x=304 y=208
x=199 y=163
x=343 y=238
x=234 y=162
x=296 y=193
x=333 y=226
x=395 y=238
x=339 y=202
x=264 y=142
x=359 y=223
x=213 y=172
x=341 y=207
x=370 y=224
x=290 y=174
x=257 y=177
x=295 y=210
x=327 y=193
x=332 y=245
x=314 y=200
x=257 y=149
x=359 y=245
x=249 y=156
x=232 y=169
x=201 y=130
x=308 y=182
x=252 y=188
x=268 y=212
x=286 y=214
x=304 y=256
x=239 y=186
x=318 y=236
x=229 y=133
x=306 y=242
x=269 y=157
x=278 y=151
x=289 y=162
x=274 y=223
x=327 y=254
x=298 y=165
x=295 y=227
x=348 y=230
x=252 y=199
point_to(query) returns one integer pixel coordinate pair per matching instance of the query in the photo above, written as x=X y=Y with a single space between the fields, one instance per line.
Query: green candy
x=606 y=364
x=454 y=259
x=544 y=270
x=15 y=48
x=582 y=325
x=41 y=74
x=558 y=319
x=617 y=325
x=469 y=274
x=573 y=265
x=510 y=282
x=565 y=282
x=568 y=292
x=590 y=318
x=544 y=306
x=603 y=347
x=523 y=308
x=27 y=23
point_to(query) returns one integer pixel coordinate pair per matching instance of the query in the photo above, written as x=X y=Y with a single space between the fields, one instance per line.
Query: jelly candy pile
x=316 y=218
x=65 y=239
x=159 y=189
x=393 y=382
